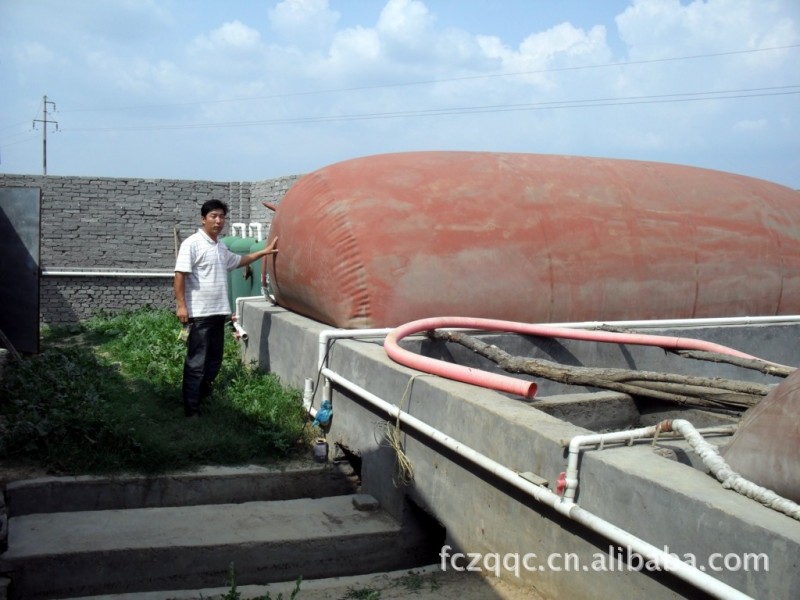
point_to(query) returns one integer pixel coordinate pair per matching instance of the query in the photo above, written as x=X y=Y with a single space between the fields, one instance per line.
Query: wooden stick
x=684 y=390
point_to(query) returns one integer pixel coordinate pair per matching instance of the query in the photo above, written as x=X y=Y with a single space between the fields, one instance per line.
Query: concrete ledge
x=598 y=411
x=210 y=485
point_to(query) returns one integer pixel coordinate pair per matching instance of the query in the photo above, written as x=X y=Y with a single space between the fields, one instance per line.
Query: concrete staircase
x=83 y=536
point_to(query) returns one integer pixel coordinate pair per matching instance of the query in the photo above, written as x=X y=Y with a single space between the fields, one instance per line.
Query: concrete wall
x=666 y=502
x=108 y=224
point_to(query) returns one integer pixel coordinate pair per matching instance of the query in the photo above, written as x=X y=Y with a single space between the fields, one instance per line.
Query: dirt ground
x=17 y=470
x=419 y=584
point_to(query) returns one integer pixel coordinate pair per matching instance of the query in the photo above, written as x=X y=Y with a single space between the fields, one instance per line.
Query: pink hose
x=512 y=385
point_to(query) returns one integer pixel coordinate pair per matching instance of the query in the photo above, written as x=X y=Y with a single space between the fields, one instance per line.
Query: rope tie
x=404 y=470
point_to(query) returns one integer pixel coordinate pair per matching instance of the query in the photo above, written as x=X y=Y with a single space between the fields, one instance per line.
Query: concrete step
x=72 y=554
x=209 y=485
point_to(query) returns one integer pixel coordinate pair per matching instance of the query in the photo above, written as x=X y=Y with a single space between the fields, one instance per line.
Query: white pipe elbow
x=254 y=230
x=240 y=333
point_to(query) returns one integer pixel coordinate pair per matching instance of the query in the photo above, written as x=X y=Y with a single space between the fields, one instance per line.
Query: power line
x=551 y=105
x=27 y=136
x=435 y=81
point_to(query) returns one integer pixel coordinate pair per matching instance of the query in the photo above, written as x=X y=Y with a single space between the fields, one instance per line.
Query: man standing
x=201 y=295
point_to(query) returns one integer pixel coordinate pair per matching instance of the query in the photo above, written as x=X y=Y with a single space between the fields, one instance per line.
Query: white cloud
x=752 y=126
x=399 y=56
x=666 y=28
x=563 y=39
x=405 y=21
x=33 y=53
x=236 y=36
x=233 y=50
x=231 y=37
x=562 y=45
x=354 y=47
x=304 y=23
x=156 y=80
x=413 y=43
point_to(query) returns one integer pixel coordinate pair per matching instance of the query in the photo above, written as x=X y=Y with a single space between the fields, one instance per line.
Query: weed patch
x=105 y=397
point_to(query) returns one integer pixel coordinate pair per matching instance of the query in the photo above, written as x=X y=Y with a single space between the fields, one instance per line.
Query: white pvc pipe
x=239 y=331
x=138 y=274
x=579 y=441
x=628 y=435
x=240 y=301
x=327 y=335
x=728 y=477
x=255 y=230
x=707 y=452
x=667 y=562
x=322 y=349
x=330 y=334
x=708 y=322
x=237 y=316
x=308 y=397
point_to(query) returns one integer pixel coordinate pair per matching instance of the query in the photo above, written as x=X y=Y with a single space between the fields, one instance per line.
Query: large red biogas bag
x=764 y=447
x=383 y=240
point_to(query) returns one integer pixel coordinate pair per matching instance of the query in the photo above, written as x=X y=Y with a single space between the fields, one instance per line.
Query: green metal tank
x=239 y=280
x=255 y=290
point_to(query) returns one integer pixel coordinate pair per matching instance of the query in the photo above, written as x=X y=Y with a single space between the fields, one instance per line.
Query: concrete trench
x=662 y=494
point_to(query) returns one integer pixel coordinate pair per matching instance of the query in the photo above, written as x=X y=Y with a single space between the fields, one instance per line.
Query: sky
x=247 y=90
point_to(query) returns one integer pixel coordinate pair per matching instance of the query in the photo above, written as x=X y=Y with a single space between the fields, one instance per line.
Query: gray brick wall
x=92 y=223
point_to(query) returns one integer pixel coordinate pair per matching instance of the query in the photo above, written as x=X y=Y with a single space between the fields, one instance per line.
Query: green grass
x=105 y=397
x=233 y=592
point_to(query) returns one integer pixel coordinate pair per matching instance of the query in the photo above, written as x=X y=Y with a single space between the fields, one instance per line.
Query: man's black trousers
x=203 y=359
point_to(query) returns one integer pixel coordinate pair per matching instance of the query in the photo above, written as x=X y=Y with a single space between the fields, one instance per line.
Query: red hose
x=513 y=385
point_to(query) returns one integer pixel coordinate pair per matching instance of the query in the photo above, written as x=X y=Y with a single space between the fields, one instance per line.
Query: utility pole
x=44 y=130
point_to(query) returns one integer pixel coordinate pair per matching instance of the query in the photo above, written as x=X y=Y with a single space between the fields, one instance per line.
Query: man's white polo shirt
x=206 y=264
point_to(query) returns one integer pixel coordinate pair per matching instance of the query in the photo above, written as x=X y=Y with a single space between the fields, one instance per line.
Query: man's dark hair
x=213 y=205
